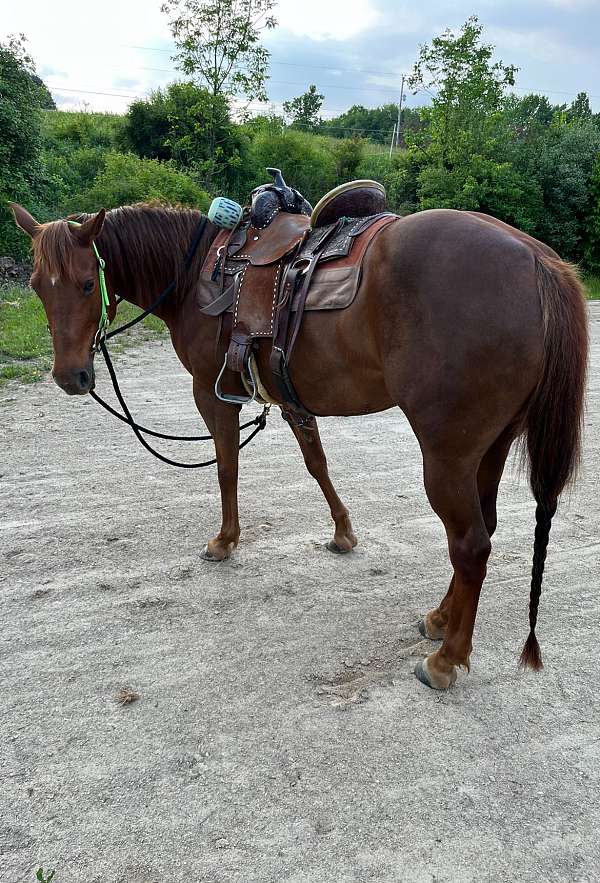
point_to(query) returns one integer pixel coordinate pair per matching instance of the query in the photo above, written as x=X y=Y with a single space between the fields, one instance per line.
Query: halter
x=104 y=298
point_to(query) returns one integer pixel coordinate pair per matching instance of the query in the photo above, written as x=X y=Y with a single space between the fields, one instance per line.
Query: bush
x=64 y=130
x=126 y=178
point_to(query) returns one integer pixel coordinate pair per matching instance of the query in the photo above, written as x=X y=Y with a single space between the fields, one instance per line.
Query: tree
x=147 y=127
x=580 y=109
x=218 y=43
x=20 y=143
x=185 y=123
x=303 y=112
x=592 y=223
x=469 y=93
x=46 y=101
x=374 y=123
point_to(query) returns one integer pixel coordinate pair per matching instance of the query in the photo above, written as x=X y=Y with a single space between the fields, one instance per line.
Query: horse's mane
x=144 y=246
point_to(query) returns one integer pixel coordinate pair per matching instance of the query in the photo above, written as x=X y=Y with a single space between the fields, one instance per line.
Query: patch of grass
x=592 y=286
x=26 y=346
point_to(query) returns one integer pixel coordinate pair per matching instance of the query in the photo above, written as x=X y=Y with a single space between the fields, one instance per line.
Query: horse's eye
x=88 y=286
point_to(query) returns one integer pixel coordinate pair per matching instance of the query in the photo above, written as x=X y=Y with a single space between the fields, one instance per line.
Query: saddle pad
x=342 y=242
x=334 y=283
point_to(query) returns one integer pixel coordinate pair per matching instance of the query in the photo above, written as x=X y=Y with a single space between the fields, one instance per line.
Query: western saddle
x=280 y=260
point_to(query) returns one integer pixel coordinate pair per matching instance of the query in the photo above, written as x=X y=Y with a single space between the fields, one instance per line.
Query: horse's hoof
x=332 y=546
x=423 y=674
x=207 y=555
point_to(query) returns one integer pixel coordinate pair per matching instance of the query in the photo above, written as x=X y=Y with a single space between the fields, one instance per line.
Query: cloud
x=355 y=51
x=326 y=19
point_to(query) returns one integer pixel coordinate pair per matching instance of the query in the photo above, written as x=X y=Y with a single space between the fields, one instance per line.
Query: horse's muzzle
x=77 y=382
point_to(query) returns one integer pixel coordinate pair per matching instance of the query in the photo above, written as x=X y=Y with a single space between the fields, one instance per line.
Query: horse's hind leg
x=309 y=440
x=433 y=625
x=453 y=493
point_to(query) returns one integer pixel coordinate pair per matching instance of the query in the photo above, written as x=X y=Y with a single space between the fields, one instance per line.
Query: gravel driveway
x=279 y=733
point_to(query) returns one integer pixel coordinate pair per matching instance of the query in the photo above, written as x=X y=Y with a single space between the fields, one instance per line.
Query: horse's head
x=65 y=277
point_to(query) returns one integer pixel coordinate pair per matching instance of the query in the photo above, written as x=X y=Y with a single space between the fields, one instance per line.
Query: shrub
x=126 y=178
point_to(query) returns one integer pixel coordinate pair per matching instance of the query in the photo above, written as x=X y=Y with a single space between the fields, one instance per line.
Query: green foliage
x=592 y=224
x=523 y=160
x=147 y=127
x=470 y=89
x=75 y=144
x=303 y=112
x=218 y=43
x=374 y=123
x=20 y=141
x=40 y=876
x=45 y=99
x=592 y=286
x=563 y=167
x=125 y=178
x=307 y=161
x=348 y=155
x=188 y=125
x=65 y=129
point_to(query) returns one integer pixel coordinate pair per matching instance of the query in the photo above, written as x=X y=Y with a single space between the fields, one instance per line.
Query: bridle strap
x=101 y=337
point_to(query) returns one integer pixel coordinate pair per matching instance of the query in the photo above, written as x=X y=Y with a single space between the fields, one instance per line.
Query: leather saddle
x=267 y=270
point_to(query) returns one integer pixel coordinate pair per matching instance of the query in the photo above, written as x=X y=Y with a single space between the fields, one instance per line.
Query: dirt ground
x=279 y=733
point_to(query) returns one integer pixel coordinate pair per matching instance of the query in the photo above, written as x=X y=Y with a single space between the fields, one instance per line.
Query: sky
x=103 y=55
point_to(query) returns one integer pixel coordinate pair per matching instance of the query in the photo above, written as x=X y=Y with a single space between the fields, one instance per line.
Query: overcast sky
x=355 y=51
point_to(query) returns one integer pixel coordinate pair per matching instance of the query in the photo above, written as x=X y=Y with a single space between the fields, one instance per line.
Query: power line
x=334 y=67
x=93 y=92
x=322 y=67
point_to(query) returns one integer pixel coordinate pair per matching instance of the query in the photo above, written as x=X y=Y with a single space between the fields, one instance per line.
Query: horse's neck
x=141 y=279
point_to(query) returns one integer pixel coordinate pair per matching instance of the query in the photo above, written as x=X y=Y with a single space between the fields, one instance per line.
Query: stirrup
x=233 y=399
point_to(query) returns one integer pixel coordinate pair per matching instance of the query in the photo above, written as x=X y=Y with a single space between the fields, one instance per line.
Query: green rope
x=104 y=298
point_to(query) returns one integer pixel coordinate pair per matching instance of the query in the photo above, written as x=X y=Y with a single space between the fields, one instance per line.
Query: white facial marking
x=53 y=280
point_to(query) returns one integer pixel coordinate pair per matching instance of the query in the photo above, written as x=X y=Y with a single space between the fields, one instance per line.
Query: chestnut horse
x=475 y=330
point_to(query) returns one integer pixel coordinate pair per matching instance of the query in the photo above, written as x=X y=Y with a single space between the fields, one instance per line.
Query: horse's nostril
x=84 y=379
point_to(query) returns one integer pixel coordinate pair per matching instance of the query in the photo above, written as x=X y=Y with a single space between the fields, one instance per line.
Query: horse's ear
x=24 y=220
x=90 y=229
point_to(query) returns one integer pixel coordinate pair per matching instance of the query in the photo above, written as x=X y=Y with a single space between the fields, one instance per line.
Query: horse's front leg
x=222 y=421
x=307 y=434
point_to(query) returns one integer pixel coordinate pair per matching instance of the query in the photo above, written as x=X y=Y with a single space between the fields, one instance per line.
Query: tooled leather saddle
x=280 y=261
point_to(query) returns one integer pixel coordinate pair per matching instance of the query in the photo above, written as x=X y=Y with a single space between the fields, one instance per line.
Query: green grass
x=25 y=345
x=592 y=285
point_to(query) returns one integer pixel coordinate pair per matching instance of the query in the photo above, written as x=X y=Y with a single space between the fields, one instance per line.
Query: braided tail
x=554 y=415
x=531 y=656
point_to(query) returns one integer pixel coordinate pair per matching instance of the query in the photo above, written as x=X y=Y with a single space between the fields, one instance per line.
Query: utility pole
x=392 y=141
x=400 y=112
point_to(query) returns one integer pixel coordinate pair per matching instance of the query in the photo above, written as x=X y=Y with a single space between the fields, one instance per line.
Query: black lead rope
x=260 y=422
x=139 y=431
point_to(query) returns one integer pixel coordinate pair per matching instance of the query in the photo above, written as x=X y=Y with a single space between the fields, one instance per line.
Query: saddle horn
x=278 y=180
